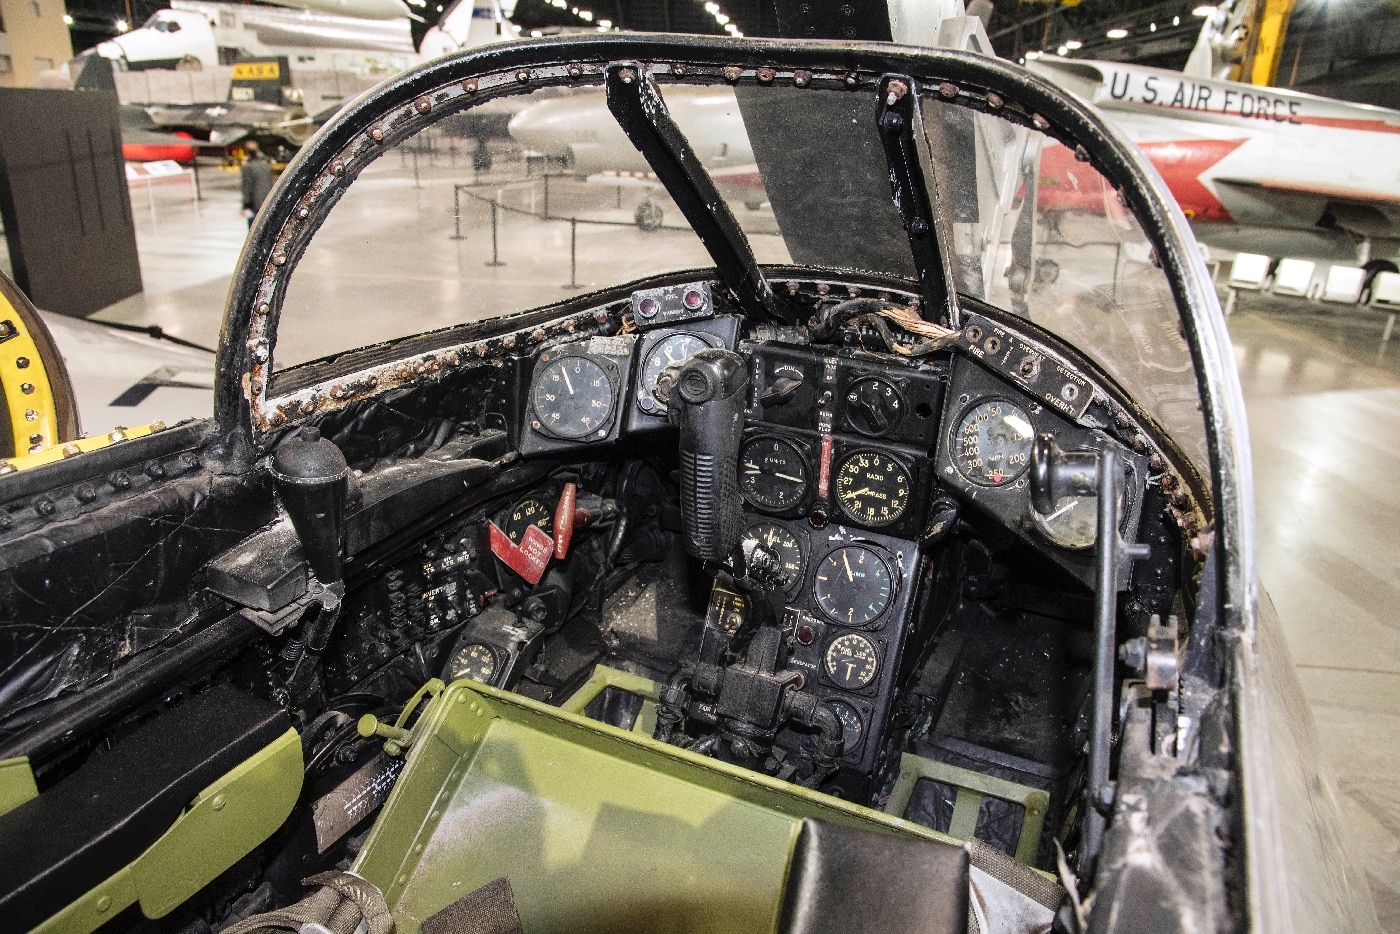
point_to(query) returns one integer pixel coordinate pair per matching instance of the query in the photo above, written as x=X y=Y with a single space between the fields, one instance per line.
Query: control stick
x=707 y=403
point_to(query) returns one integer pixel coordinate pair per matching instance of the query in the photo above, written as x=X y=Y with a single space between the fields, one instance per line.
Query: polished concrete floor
x=1323 y=400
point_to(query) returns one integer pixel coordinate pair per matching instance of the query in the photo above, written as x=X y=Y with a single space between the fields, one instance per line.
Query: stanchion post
x=495 y=256
x=457 y=212
x=416 y=183
x=546 y=196
x=573 y=254
x=194 y=169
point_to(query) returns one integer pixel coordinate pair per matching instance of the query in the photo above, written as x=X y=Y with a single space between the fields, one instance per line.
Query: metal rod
x=457 y=212
x=573 y=253
x=194 y=168
x=416 y=183
x=546 y=196
x=1109 y=551
x=495 y=256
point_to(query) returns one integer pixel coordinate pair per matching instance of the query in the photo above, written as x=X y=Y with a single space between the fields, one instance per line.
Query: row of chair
x=1302 y=278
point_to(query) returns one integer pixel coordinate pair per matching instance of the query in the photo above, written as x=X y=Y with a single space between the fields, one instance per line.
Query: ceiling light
x=67 y=20
x=712 y=7
x=1034 y=55
x=535 y=33
x=1062 y=51
x=1204 y=10
x=605 y=23
x=1176 y=20
x=721 y=18
x=558 y=4
x=586 y=15
x=1117 y=34
x=731 y=29
x=1152 y=27
x=1073 y=44
x=122 y=25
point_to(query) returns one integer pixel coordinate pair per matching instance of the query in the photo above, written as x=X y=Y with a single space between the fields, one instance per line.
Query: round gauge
x=993 y=443
x=782 y=542
x=475 y=660
x=772 y=474
x=852 y=585
x=873 y=406
x=1073 y=523
x=852 y=727
x=851 y=661
x=668 y=352
x=573 y=397
x=526 y=513
x=872 y=488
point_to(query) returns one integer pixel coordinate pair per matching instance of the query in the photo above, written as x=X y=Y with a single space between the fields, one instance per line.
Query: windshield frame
x=251 y=416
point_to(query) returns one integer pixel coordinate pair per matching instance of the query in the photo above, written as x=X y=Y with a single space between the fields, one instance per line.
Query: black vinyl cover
x=848 y=881
x=97 y=820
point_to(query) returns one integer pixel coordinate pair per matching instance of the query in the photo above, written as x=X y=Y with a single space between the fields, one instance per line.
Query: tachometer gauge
x=526 y=513
x=782 y=542
x=851 y=661
x=670 y=351
x=872 y=488
x=572 y=397
x=475 y=660
x=873 y=406
x=852 y=727
x=992 y=446
x=852 y=585
x=772 y=474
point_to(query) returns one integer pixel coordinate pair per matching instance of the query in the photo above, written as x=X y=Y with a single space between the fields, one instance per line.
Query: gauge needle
x=1062 y=510
x=567 y=381
x=783 y=476
x=849 y=573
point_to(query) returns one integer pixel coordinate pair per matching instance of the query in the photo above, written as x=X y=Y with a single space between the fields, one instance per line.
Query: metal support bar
x=573 y=252
x=898 y=119
x=1110 y=553
x=457 y=212
x=640 y=111
x=495 y=255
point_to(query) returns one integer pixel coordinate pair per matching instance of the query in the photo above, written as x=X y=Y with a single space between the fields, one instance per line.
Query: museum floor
x=1324 y=410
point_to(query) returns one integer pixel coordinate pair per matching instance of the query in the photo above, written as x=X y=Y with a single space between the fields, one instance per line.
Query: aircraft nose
x=535 y=128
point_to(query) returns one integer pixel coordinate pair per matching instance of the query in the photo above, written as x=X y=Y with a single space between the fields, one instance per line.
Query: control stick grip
x=707 y=404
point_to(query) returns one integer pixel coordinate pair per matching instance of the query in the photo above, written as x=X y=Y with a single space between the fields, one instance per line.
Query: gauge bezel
x=804 y=454
x=955 y=431
x=495 y=655
x=854 y=749
x=611 y=373
x=892 y=568
x=874 y=678
x=847 y=454
x=857 y=378
x=804 y=551
x=659 y=338
x=505 y=517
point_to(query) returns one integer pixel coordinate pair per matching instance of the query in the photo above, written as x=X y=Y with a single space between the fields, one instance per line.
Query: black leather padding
x=848 y=881
x=97 y=820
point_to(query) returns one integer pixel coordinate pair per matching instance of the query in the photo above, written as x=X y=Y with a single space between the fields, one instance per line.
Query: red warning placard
x=529 y=558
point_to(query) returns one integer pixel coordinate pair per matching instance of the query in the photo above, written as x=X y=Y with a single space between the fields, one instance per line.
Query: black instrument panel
x=848 y=593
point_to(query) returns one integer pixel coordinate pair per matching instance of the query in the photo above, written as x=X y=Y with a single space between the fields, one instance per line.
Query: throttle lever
x=707 y=404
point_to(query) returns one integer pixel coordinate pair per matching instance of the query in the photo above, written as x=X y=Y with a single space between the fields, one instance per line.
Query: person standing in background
x=257 y=180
